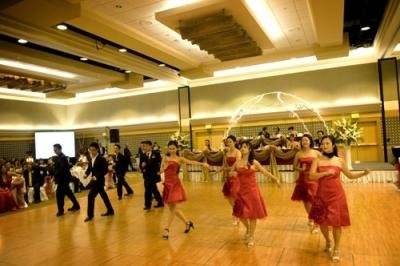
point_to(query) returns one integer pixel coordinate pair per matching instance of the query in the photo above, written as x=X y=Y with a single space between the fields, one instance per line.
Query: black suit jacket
x=98 y=170
x=62 y=175
x=121 y=165
x=37 y=178
x=152 y=166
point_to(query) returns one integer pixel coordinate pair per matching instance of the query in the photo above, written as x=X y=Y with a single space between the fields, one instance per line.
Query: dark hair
x=232 y=137
x=95 y=145
x=264 y=128
x=306 y=136
x=148 y=142
x=335 y=151
x=173 y=142
x=251 y=150
x=320 y=131
x=119 y=147
x=290 y=128
x=292 y=135
x=278 y=129
x=57 y=146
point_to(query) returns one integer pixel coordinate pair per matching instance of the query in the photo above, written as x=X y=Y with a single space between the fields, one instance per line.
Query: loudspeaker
x=114 y=135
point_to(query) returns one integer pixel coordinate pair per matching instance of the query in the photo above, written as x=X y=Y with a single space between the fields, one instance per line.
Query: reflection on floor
x=132 y=237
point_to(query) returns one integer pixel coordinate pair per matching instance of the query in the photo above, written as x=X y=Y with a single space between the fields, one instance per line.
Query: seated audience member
x=292 y=131
x=277 y=134
x=292 y=143
x=34 y=182
x=317 y=141
x=7 y=201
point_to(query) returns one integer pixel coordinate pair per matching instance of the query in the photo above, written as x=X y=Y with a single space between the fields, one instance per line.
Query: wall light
x=122 y=50
x=365 y=28
x=84 y=59
x=35 y=68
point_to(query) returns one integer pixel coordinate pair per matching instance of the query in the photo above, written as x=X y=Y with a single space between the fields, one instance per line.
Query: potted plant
x=346 y=132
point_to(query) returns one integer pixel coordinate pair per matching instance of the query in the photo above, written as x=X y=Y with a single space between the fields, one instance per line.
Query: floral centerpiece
x=183 y=140
x=347 y=132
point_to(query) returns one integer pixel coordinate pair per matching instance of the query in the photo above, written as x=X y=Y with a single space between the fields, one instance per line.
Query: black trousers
x=63 y=190
x=94 y=191
x=150 y=190
x=36 y=193
x=121 y=182
x=130 y=163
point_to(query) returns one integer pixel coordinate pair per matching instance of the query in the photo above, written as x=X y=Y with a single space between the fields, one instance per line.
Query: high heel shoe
x=250 y=242
x=166 y=233
x=189 y=225
x=328 y=247
x=335 y=256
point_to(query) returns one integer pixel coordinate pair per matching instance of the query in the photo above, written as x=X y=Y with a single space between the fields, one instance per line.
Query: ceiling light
x=161 y=65
x=62 y=27
x=266 y=67
x=397 y=48
x=84 y=59
x=365 y=28
x=22 y=93
x=267 y=21
x=128 y=71
x=22 y=41
x=35 y=68
x=122 y=50
x=101 y=92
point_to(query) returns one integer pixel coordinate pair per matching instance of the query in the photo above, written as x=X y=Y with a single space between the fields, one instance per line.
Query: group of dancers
x=318 y=186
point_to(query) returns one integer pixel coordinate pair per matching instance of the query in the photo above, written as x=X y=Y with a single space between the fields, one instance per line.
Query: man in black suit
x=33 y=179
x=128 y=155
x=62 y=176
x=97 y=168
x=150 y=163
x=121 y=167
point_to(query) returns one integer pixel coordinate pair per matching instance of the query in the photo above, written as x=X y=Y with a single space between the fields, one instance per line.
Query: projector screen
x=44 y=142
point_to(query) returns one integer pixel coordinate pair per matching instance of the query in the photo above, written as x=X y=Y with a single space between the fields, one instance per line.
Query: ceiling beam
x=85 y=72
x=131 y=38
x=82 y=46
x=388 y=34
x=327 y=20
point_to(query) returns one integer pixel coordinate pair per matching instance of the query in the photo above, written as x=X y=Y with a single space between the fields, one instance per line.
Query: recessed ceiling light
x=62 y=27
x=161 y=65
x=122 y=50
x=118 y=6
x=128 y=71
x=365 y=28
x=84 y=59
x=22 y=41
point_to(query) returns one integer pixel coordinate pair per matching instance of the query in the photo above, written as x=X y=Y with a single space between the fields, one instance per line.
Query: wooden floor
x=36 y=237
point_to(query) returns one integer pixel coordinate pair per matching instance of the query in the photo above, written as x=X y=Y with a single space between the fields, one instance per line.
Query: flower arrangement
x=183 y=140
x=346 y=131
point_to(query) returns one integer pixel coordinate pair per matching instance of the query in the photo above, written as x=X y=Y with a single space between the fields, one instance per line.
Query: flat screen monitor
x=44 y=142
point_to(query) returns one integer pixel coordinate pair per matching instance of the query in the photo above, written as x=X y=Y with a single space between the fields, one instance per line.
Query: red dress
x=305 y=189
x=231 y=185
x=249 y=203
x=330 y=205
x=173 y=189
x=7 y=202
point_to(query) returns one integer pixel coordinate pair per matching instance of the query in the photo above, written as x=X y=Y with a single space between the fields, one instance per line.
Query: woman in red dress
x=249 y=204
x=174 y=191
x=7 y=201
x=231 y=184
x=330 y=206
x=305 y=189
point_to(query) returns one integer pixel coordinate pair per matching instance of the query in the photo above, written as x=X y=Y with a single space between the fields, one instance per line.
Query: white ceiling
x=292 y=15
